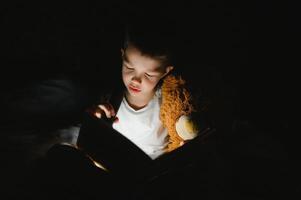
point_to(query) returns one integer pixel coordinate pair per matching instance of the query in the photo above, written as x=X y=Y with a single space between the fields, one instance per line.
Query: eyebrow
x=155 y=72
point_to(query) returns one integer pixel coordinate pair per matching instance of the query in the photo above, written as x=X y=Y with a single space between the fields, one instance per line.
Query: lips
x=134 y=89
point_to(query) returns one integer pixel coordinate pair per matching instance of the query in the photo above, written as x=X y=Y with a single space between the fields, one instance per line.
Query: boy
x=142 y=116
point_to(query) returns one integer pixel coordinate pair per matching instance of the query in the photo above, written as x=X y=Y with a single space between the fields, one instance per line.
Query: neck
x=138 y=102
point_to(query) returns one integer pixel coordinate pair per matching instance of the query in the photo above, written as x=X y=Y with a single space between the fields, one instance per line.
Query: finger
x=106 y=110
x=94 y=111
x=98 y=115
x=111 y=109
x=97 y=112
x=116 y=120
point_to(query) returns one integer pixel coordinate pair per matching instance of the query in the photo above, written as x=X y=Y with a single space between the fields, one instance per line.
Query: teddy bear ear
x=186 y=128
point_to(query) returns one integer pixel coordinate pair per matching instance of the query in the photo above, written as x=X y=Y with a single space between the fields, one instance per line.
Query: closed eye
x=129 y=68
x=150 y=76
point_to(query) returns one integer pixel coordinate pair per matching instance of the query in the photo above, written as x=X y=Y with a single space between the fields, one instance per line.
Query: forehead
x=138 y=60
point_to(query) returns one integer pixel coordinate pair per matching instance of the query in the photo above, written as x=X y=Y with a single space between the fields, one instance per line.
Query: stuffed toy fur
x=175 y=110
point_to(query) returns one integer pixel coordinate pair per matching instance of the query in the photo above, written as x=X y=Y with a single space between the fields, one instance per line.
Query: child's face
x=141 y=73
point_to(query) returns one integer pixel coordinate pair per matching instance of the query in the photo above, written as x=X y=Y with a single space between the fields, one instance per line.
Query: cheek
x=125 y=78
x=150 y=83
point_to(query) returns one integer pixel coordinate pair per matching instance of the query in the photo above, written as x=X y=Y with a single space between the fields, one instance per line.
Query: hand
x=103 y=110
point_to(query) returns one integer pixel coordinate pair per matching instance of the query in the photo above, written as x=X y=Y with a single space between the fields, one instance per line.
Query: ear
x=122 y=52
x=167 y=70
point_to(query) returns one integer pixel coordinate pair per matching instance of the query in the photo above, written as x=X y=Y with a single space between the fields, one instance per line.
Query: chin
x=135 y=93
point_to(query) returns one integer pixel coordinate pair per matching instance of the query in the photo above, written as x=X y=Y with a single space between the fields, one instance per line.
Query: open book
x=117 y=154
x=108 y=147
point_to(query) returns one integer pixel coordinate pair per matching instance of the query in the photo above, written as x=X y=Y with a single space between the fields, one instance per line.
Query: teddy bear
x=175 y=112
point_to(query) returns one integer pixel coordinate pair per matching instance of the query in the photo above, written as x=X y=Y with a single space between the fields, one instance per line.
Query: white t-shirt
x=143 y=127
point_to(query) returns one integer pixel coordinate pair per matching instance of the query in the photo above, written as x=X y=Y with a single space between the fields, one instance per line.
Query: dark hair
x=152 y=38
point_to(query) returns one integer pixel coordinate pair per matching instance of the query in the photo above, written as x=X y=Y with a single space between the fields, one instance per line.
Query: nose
x=136 y=79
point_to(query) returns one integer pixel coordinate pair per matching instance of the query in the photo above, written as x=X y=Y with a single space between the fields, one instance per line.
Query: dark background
x=55 y=57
